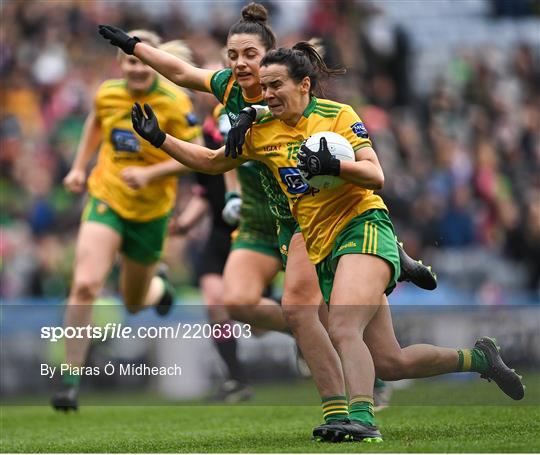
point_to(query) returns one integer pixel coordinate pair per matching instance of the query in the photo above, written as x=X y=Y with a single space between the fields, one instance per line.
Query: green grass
x=502 y=426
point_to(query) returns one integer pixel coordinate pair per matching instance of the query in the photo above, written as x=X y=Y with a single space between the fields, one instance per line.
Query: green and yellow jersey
x=321 y=214
x=122 y=147
x=256 y=215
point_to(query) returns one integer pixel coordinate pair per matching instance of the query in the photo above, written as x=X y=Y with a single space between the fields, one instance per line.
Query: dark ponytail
x=303 y=60
x=254 y=22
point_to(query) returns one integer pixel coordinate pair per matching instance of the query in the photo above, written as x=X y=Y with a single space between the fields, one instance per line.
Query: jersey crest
x=124 y=140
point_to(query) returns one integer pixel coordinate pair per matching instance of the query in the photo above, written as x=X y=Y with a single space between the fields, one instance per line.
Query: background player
x=121 y=216
x=208 y=197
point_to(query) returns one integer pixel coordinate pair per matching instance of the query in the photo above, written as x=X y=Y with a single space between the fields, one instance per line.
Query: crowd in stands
x=461 y=156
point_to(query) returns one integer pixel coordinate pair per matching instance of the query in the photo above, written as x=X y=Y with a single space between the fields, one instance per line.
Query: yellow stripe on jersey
x=327 y=109
x=219 y=110
x=366 y=230
x=322 y=215
x=208 y=81
x=376 y=239
x=228 y=91
x=467 y=360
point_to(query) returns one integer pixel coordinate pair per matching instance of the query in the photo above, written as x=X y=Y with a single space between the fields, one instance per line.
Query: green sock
x=472 y=360
x=379 y=383
x=72 y=380
x=334 y=408
x=361 y=409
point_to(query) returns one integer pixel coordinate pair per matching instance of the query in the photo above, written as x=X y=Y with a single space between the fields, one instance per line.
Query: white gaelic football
x=339 y=147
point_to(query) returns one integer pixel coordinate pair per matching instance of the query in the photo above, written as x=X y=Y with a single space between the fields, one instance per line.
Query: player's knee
x=341 y=333
x=242 y=313
x=293 y=317
x=236 y=298
x=85 y=290
x=301 y=294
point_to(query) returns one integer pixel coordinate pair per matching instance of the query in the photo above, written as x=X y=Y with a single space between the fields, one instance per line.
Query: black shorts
x=214 y=254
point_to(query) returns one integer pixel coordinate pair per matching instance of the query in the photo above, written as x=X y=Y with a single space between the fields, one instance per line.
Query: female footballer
x=348 y=235
x=131 y=192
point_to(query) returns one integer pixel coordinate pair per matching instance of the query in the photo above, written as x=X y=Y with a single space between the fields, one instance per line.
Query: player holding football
x=348 y=234
x=132 y=191
x=252 y=264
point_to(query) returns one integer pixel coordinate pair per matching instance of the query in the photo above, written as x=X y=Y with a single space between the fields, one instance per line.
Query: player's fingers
x=240 y=144
x=149 y=111
x=323 y=144
x=136 y=111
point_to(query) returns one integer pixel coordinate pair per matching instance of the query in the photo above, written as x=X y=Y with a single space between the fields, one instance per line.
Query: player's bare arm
x=365 y=172
x=173 y=68
x=88 y=146
x=195 y=156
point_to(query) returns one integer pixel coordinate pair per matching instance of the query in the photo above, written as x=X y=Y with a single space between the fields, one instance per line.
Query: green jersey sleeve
x=221 y=83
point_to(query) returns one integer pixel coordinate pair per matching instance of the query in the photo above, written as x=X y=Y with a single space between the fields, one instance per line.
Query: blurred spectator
x=462 y=162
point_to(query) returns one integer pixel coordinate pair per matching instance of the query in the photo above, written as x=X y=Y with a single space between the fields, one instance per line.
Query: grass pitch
x=501 y=426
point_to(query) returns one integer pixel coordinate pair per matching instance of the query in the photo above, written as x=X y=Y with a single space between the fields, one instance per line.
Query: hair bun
x=255 y=12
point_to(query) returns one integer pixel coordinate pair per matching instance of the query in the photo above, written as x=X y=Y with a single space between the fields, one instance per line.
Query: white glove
x=231 y=211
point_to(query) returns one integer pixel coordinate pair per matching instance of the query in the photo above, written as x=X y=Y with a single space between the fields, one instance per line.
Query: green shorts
x=285 y=231
x=249 y=239
x=141 y=241
x=371 y=232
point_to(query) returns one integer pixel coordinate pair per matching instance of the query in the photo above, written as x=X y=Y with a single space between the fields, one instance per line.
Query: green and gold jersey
x=321 y=214
x=265 y=199
x=122 y=147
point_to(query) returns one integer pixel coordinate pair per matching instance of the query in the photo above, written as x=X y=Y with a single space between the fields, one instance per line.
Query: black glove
x=237 y=134
x=321 y=162
x=119 y=38
x=148 y=128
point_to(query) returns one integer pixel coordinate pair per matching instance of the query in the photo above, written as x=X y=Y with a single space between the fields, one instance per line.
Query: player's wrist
x=158 y=138
x=249 y=112
x=128 y=46
x=334 y=167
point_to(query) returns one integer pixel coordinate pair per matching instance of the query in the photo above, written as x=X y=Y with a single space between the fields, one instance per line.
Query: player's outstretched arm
x=173 y=68
x=137 y=177
x=237 y=132
x=195 y=156
x=91 y=138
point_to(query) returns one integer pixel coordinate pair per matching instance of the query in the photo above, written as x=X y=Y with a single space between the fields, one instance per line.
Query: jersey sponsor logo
x=101 y=208
x=360 y=130
x=192 y=119
x=124 y=140
x=350 y=244
x=290 y=176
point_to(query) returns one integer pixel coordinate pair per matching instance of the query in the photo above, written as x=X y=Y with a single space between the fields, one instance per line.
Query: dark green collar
x=150 y=90
x=310 y=107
